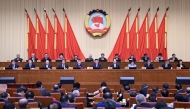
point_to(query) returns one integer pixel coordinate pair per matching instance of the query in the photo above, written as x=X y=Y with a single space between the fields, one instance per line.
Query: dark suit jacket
x=17 y=95
x=42 y=89
x=18 y=59
x=144 y=105
x=66 y=66
x=31 y=100
x=144 y=91
x=176 y=59
x=49 y=66
x=35 y=60
x=169 y=66
x=66 y=105
x=186 y=98
x=117 y=66
x=11 y=66
x=178 y=65
x=100 y=59
x=179 y=91
x=143 y=58
x=81 y=66
x=118 y=59
x=5 y=101
x=102 y=104
x=89 y=59
x=134 y=59
x=44 y=59
x=98 y=67
x=150 y=66
x=27 y=66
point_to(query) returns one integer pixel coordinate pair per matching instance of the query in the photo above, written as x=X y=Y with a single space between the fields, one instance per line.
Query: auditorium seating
x=79 y=105
x=81 y=100
x=166 y=99
x=181 y=104
x=45 y=101
x=14 y=99
x=98 y=99
x=37 y=92
x=56 y=95
x=30 y=105
x=11 y=90
x=1 y=105
x=61 y=90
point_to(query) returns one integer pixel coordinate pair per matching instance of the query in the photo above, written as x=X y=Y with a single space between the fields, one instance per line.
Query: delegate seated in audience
x=149 y=65
x=20 y=92
x=61 y=57
x=141 y=102
x=30 y=97
x=30 y=65
x=132 y=65
x=132 y=94
x=117 y=58
x=4 y=97
x=103 y=86
x=47 y=94
x=60 y=85
x=152 y=98
x=33 y=58
x=164 y=93
x=132 y=58
x=174 y=58
x=106 y=96
x=167 y=65
x=18 y=59
x=160 y=104
x=127 y=90
x=97 y=65
x=145 y=57
x=20 y=86
x=71 y=98
x=110 y=104
x=79 y=65
x=47 y=65
x=64 y=100
x=13 y=65
x=159 y=57
x=114 y=65
x=186 y=98
x=39 y=86
x=25 y=89
x=63 y=65
x=144 y=90
x=76 y=93
x=23 y=103
x=180 y=64
x=102 y=58
x=155 y=90
x=56 y=89
x=165 y=86
x=89 y=58
x=54 y=105
x=75 y=58
x=178 y=98
x=46 y=57
x=76 y=86
x=179 y=89
x=9 y=105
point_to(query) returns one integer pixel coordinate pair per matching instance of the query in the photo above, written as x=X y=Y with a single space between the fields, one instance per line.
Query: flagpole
x=137 y=28
x=165 y=36
x=55 y=27
x=147 y=26
x=156 y=29
x=37 y=31
x=127 y=27
x=65 y=27
x=27 y=29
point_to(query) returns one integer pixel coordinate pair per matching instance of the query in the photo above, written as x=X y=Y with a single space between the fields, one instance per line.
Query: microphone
x=28 y=83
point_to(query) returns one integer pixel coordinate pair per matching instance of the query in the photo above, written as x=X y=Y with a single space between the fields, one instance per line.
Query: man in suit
x=89 y=58
x=149 y=64
x=159 y=57
x=145 y=57
x=33 y=58
x=61 y=57
x=75 y=58
x=174 y=58
x=106 y=96
x=167 y=65
x=110 y=104
x=96 y=65
x=63 y=65
x=20 y=92
x=186 y=98
x=47 y=65
x=54 y=105
x=30 y=97
x=144 y=90
x=115 y=65
x=141 y=102
x=132 y=65
x=46 y=58
x=179 y=89
x=180 y=64
x=13 y=65
x=71 y=98
x=132 y=58
x=23 y=103
x=79 y=64
x=56 y=89
x=102 y=58
x=117 y=57
x=39 y=86
x=18 y=59
x=8 y=105
x=30 y=65
x=4 y=97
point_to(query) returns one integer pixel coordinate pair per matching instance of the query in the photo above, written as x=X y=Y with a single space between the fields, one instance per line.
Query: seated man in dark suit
x=145 y=57
x=33 y=58
x=186 y=98
x=149 y=65
x=164 y=93
x=54 y=105
x=89 y=58
x=9 y=105
x=79 y=65
x=165 y=86
x=75 y=58
x=64 y=102
x=144 y=90
x=174 y=58
x=110 y=104
x=132 y=58
x=167 y=65
x=4 y=97
x=117 y=57
x=71 y=98
x=13 y=65
x=180 y=64
x=46 y=58
x=106 y=96
x=30 y=65
x=39 y=86
x=20 y=92
x=179 y=89
x=47 y=65
x=63 y=65
x=30 y=97
x=56 y=89
x=23 y=103
x=141 y=102
x=96 y=65
x=115 y=65
x=18 y=59
x=102 y=58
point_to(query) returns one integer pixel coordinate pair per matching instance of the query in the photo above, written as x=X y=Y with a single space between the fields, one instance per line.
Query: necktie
x=114 y=65
x=96 y=65
x=166 y=65
x=13 y=66
x=46 y=66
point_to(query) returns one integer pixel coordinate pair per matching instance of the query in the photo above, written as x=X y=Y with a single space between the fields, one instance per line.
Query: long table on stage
x=93 y=78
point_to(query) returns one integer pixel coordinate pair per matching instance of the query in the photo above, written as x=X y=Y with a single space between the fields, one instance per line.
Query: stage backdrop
x=13 y=23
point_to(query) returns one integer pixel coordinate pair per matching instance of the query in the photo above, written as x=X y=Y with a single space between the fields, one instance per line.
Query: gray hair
x=140 y=99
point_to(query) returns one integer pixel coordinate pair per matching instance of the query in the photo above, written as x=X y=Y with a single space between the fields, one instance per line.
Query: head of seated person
x=23 y=103
x=4 y=96
x=25 y=89
x=140 y=99
x=107 y=96
x=29 y=95
x=55 y=87
x=178 y=86
x=110 y=104
x=46 y=93
x=9 y=105
x=39 y=84
x=71 y=98
x=152 y=98
x=188 y=90
x=76 y=86
x=60 y=85
x=76 y=93
x=165 y=93
x=179 y=98
x=54 y=105
x=125 y=83
x=133 y=94
x=20 y=91
x=103 y=85
x=64 y=98
x=155 y=89
x=106 y=90
x=20 y=86
x=127 y=88
x=165 y=86
x=160 y=104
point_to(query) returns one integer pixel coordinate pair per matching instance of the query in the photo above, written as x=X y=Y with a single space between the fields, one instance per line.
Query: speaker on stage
x=129 y=80
x=182 y=80
x=7 y=80
x=67 y=80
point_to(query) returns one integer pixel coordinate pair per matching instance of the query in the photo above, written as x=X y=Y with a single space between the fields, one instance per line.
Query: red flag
x=49 y=41
x=71 y=44
x=162 y=36
x=60 y=42
x=40 y=39
x=31 y=37
x=122 y=44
